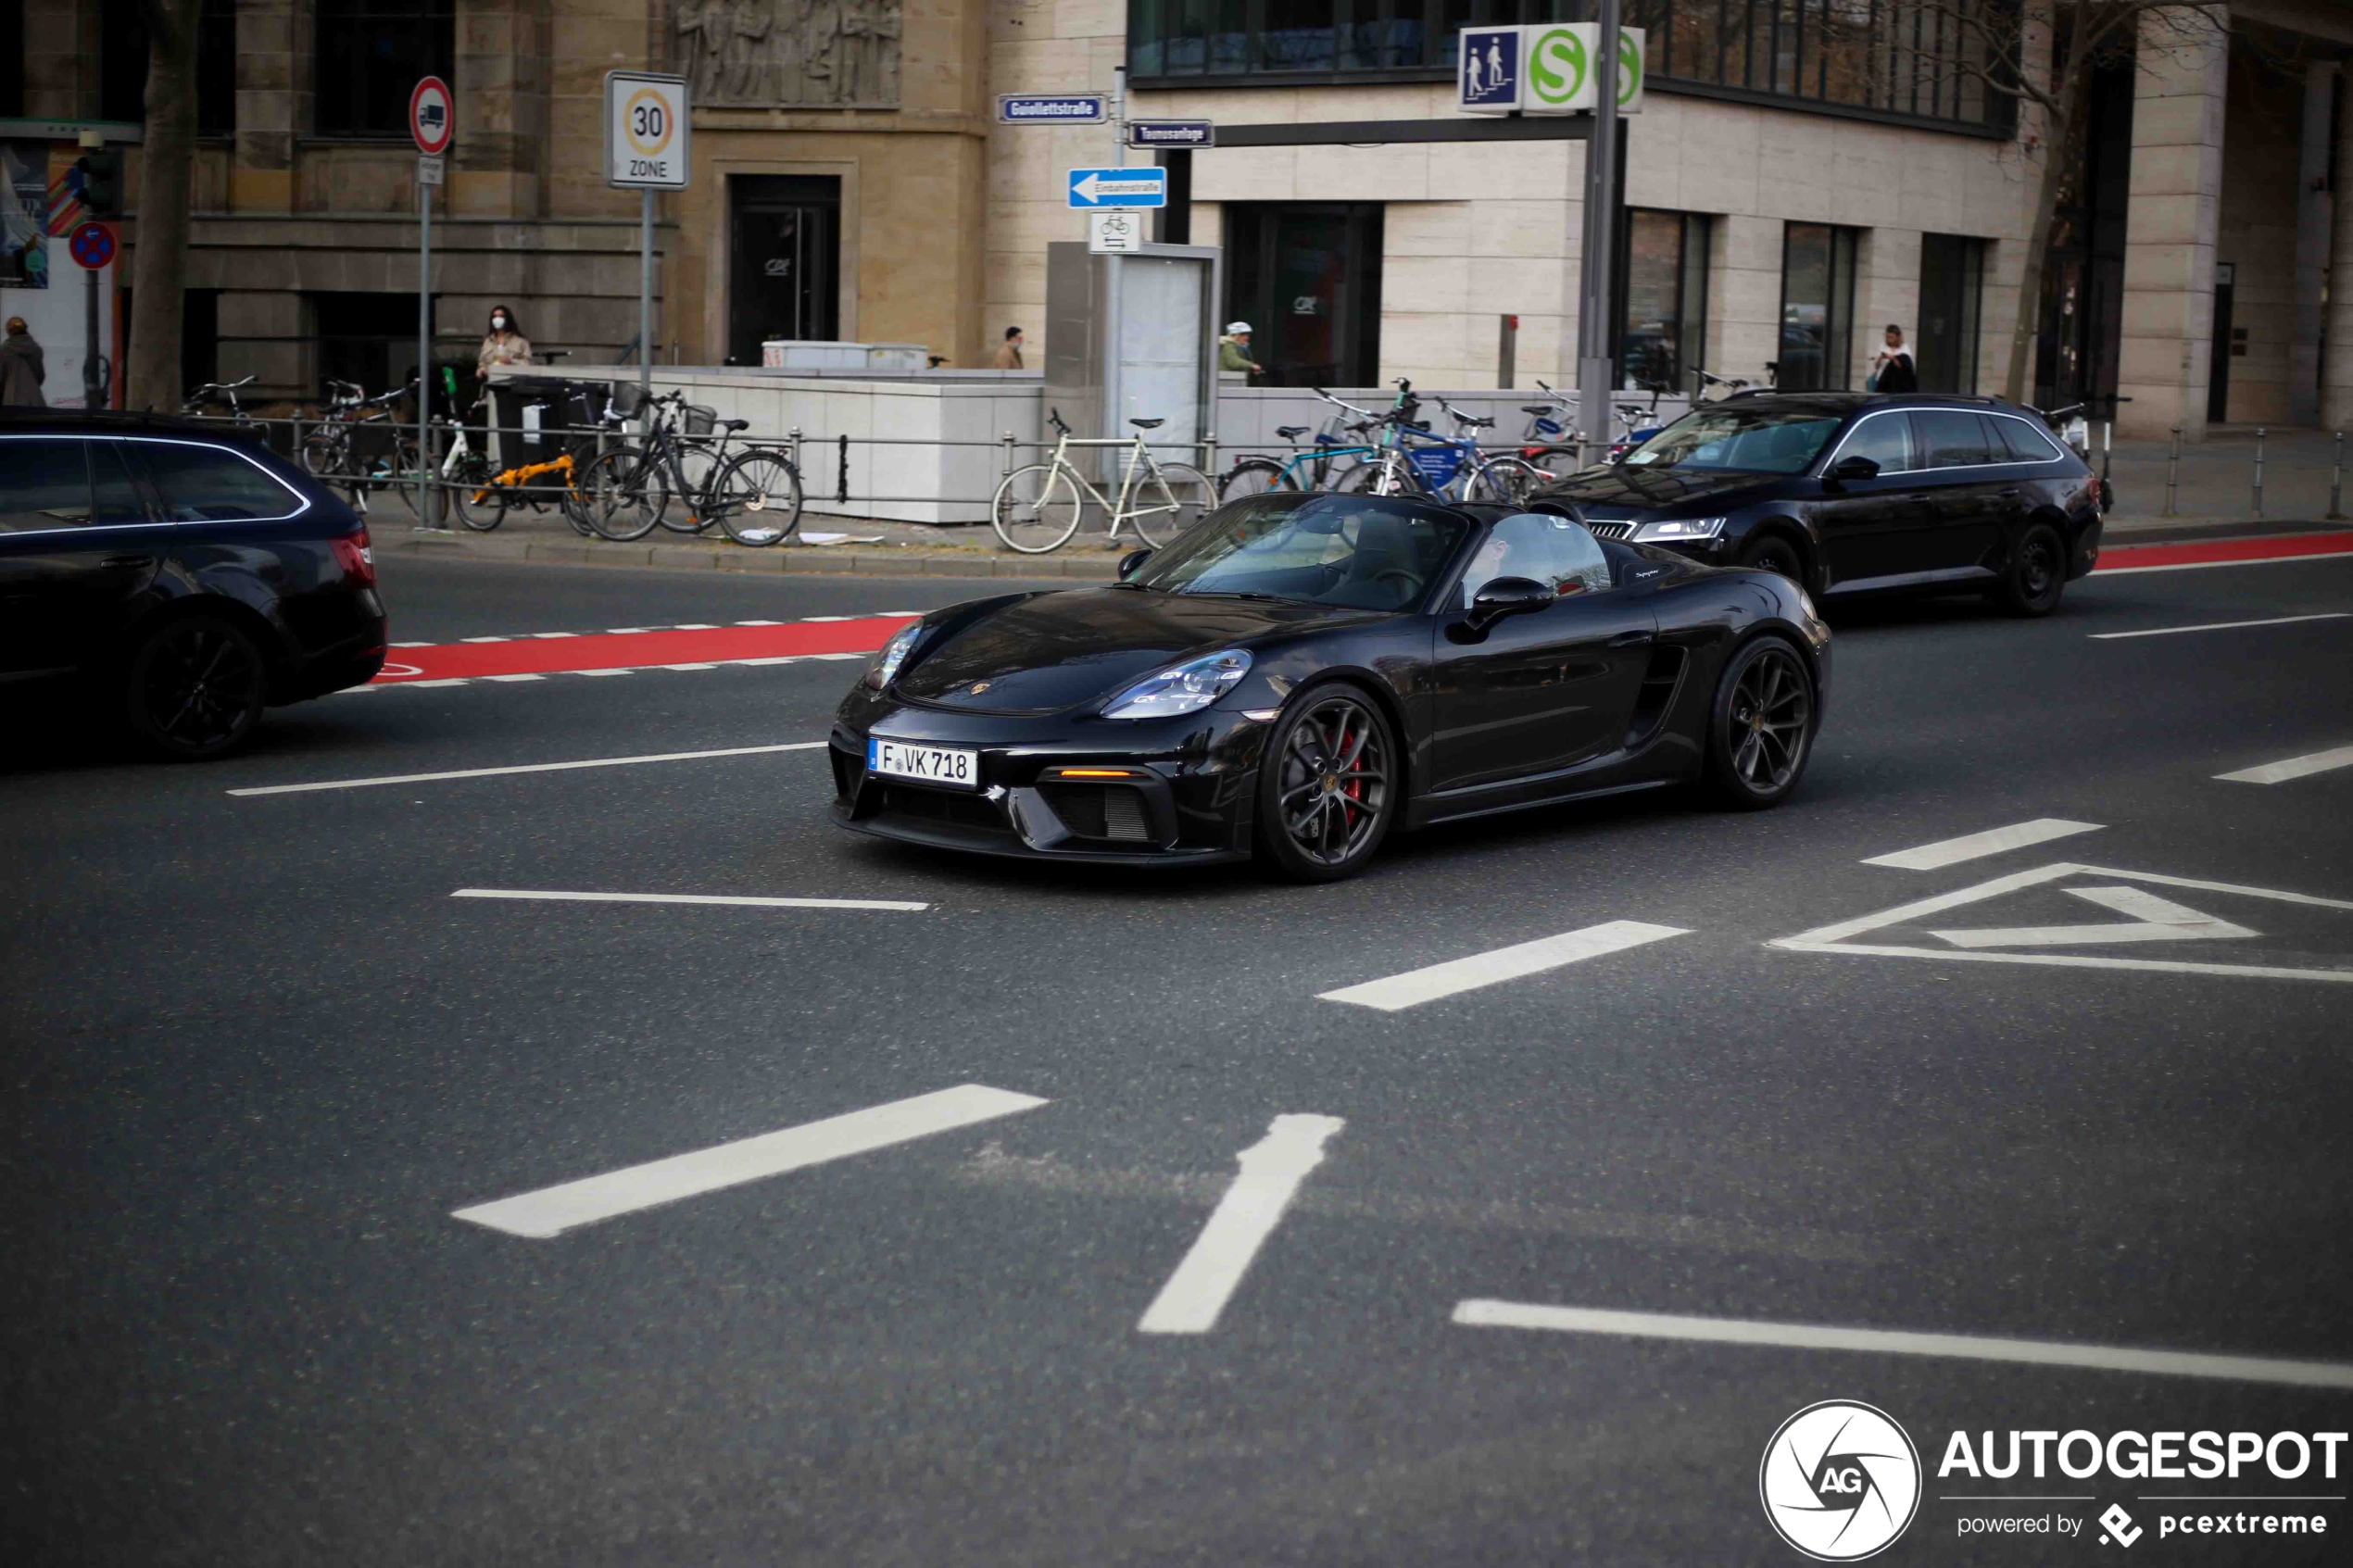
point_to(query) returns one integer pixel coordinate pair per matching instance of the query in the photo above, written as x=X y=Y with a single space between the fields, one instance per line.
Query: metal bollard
x=1209 y=457
x=1009 y=456
x=2108 y=450
x=2258 y=470
x=841 y=479
x=2172 y=473
x=792 y=444
x=2336 y=482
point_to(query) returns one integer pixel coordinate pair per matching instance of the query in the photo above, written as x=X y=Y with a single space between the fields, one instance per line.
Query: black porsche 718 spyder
x=1297 y=675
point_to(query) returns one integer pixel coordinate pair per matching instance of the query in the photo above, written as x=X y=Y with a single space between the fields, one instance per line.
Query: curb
x=780 y=559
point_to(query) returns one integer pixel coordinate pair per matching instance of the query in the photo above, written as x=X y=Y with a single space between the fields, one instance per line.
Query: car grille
x=1108 y=811
x=942 y=806
x=1608 y=530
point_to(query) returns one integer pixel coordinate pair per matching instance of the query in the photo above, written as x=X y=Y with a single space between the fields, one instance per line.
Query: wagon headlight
x=893 y=655
x=1183 y=688
x=1683 y=528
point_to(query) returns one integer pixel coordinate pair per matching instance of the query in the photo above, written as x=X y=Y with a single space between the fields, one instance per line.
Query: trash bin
x=533 y=418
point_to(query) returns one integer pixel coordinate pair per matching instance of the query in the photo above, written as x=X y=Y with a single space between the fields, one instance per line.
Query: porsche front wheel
x=1761 y=728
x=1328 y=787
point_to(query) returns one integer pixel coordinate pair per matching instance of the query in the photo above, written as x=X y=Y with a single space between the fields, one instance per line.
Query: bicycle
x=1037 y=508
x=755 y=497
x=480 y=492
x=1306 y=471
x=329 y=451
x=1554 y=421
x=1440 y=468
x=200 y=398
x=1703 y=380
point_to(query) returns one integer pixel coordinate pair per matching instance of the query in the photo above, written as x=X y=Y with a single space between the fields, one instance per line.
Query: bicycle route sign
x=1093 y=189
x=647 y=130
x=92 y=245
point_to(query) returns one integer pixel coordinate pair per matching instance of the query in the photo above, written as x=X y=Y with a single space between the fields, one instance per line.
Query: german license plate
x=950 y=767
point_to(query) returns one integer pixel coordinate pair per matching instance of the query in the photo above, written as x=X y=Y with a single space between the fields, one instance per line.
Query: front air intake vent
x=1108 y=811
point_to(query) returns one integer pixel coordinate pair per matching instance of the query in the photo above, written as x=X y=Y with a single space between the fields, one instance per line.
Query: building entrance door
x=784 y=275
x=2217 y=376
x=1307 y=277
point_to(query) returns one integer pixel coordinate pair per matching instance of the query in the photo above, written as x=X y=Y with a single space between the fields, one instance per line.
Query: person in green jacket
x=1233 y=349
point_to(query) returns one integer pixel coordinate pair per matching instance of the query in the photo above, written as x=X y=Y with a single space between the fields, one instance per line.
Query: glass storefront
x=1818 y=308
x=1662 y=279
x=1952 y=283
x=1306 y=276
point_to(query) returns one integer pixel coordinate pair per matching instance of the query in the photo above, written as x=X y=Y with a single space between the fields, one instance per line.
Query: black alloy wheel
x=1772 y=552
x=2037 y=573
x=195 y=688
x=1328 y=786
x=1761 y=729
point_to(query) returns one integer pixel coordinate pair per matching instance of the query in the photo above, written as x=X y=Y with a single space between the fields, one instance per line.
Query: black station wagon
x=1857 y=493
x=192 y=577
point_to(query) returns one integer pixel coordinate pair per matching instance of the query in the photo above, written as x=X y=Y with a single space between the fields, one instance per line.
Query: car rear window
x=44 y=484
x=208 y=485
x=2026 y=445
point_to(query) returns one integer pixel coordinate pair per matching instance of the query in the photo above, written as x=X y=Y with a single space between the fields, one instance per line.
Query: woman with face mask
x=502 y=344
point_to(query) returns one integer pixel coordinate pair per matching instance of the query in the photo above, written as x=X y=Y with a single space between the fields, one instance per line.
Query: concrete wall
x=2256 y=231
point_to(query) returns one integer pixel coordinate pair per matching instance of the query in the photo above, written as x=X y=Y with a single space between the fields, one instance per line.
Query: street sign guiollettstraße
x=1095 y=188
x=1052 y=109
x=647 y=130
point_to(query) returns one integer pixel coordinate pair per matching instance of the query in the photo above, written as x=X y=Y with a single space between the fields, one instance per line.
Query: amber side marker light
x=1095 y=773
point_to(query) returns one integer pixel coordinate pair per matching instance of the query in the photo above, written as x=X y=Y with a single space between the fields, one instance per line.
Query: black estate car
x=1295 y=676
x=194 y=576
x=1851 y=493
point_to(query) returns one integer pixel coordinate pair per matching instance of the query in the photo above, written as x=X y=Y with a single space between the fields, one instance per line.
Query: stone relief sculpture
x=769 y=54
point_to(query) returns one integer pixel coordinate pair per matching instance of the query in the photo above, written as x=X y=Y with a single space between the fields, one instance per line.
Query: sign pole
x=645 y=293
x=1595 y=369
x=90 y=395
x=425 y=350
x=1114 y=326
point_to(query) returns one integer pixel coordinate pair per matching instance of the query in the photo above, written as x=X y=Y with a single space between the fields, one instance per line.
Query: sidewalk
x=2217 y=480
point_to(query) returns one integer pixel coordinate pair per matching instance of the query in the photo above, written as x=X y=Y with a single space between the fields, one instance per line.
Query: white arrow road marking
x=1974 y=846
x=1888 y=1342
x=553 y=1210
x=2154 y=919
x=1418 y=985
x=2293 y=768
x=1835 y=938
x=1272 y=1170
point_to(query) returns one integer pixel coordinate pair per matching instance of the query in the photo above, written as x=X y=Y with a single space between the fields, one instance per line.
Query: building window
x=1818 y=308
x=1952 y=280
x=370 y=53
x=367 y=338
x=1662 y=291
x=1306 y=277
x=12 y=59
x=122 y=65
x=1916 y=60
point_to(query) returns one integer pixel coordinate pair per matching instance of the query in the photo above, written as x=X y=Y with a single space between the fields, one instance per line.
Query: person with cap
x=22 y=370
x=1233 y=349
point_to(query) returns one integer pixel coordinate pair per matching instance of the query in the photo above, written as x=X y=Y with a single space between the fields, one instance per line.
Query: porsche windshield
x=1751 y=439
x=1359 y=552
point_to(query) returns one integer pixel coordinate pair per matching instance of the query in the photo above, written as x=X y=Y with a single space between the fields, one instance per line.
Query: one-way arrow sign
x=1095 y=188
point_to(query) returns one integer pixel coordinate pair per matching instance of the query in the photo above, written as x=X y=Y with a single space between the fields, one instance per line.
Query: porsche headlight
x=1683 y=528
x=894 y=654
x=1183 y=688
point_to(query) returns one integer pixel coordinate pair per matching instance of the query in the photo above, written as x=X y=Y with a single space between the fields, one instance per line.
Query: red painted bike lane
x=634 y=650
x=2224 y=552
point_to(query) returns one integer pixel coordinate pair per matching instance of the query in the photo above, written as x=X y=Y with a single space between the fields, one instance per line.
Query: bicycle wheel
x=624 y=493
x=1252 y=476
x=1037 y=509
x=757 y=497
x=1509 y=480
x=1170 y=500
x=480 y=505
x=325 y=453
x=1381 y=476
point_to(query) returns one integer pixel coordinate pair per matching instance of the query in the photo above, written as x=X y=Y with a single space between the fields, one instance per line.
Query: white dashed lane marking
x=2293 y=768
x=2218 y=626
x=531 y=767
x=730 y=900
x=1417 y=986
x=1974 y=846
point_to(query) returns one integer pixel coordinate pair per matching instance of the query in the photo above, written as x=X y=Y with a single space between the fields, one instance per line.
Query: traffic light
x=101 y=182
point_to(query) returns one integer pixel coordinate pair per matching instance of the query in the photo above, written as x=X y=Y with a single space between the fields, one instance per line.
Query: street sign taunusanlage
x=1091 y=189
x=647 y=130
x=433 y=118
x=1172 y=133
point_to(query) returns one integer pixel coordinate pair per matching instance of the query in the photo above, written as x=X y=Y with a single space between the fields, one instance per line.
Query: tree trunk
x=2058 y=167
x=166 y=164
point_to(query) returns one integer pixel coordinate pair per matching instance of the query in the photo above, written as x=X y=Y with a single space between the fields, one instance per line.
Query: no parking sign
x=92 y=245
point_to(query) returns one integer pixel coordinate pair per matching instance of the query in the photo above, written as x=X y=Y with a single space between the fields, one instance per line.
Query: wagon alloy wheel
x=1764 y=724
x=1330 y=788
x=195 y=688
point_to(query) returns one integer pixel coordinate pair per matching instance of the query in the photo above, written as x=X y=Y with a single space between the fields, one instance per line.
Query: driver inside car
x=1555 y=551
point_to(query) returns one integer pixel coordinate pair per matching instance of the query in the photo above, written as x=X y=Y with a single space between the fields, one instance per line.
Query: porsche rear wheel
x=1328 y=787
x=1761 y=727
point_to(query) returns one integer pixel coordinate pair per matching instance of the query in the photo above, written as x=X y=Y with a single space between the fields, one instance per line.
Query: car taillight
x=356 y=558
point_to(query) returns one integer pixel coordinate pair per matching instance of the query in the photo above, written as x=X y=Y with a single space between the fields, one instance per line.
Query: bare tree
x=166 y=165
x=2042 y=54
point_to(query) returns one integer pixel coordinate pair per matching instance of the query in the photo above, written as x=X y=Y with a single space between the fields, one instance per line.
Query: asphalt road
x=256 y=1056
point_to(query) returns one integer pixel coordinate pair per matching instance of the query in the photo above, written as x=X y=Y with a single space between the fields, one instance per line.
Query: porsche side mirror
x=1132 y=562
x=1856 y=467
x=1507 y=596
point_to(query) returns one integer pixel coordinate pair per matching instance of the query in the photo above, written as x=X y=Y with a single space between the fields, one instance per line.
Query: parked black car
x=1297 y=675
x=194 y=577
x=1857 y=493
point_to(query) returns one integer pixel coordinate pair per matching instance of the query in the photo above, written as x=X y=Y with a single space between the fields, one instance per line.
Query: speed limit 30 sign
x=646 y=131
